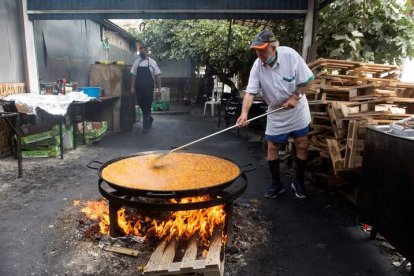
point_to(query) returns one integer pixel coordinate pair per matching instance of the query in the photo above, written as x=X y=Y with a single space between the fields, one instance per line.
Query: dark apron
x=144 y=89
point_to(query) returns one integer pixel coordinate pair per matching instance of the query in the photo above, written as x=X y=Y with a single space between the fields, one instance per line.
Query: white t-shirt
x=278 y=84
x=144 y=63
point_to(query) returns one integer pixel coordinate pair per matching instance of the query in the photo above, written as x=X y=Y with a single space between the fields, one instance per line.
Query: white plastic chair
x=215 y=100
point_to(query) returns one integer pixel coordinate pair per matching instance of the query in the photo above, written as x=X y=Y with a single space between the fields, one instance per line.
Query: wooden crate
x=162 y=260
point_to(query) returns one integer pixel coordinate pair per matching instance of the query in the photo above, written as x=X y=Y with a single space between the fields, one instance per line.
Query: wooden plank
x=328 y=88
x=190 y=254
x=213 y=255
x=351 y=144
x=366 y=98
x=215 y=272
x=121 y=250
x=335 y=154
x=400 y=100
x=155 y=258
x=319 y=114
x=168 y=256
x=347 y=150
x=214 y=264
x=386 y=92
x=336 y=77
x=335 y=119
x=347 y=110
x=376 y=101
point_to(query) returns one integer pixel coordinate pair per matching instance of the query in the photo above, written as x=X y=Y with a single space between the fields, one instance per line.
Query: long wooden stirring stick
x=162 y=155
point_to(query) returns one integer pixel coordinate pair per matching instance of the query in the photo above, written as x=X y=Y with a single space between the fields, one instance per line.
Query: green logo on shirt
x=289 y=79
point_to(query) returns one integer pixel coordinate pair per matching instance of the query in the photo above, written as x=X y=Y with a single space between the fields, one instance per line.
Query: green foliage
x=289 y=32
x=204 y=41
x=380 y=31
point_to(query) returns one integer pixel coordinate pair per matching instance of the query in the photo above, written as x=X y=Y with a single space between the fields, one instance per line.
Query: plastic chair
x=215 y=101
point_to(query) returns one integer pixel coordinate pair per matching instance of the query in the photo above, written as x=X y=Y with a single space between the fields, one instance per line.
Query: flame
x=179 y=225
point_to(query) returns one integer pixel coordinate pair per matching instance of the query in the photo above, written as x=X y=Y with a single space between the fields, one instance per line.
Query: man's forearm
x=247 y=103
x=132 y=84
x=158 y=82
x=302 y=90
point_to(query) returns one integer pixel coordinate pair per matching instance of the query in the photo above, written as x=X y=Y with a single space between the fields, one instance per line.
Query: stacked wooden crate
x=347 y=97
x=10 y=88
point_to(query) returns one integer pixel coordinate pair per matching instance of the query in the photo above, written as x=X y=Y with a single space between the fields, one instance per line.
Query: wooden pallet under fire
x=162 y=259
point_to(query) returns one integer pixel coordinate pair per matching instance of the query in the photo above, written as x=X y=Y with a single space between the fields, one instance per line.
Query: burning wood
x=180 y=224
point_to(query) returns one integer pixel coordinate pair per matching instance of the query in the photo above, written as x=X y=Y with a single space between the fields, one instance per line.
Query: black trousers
x=144 y=100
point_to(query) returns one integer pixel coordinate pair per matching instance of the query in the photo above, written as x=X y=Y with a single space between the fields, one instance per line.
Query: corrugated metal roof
x=177 y=9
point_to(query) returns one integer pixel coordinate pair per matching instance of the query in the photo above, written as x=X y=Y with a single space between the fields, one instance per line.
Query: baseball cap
x=262 y=39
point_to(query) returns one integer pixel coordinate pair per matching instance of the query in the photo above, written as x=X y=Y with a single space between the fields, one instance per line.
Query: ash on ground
x=77 y=247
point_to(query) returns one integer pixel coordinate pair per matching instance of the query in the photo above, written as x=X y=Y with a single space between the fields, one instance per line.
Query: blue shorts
x=283 y=138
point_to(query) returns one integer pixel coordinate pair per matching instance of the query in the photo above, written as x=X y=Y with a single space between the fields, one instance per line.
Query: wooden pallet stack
x=347 y=97
x=12 y=88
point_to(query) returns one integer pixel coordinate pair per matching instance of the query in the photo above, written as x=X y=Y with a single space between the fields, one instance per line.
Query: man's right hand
x=241 y=121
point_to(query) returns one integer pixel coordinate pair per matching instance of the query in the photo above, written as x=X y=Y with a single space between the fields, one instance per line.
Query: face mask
x=142 y=55
x=270 y=59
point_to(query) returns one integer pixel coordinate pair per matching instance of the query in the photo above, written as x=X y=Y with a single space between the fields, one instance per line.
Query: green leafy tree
x=205 y=42
x=380 y=31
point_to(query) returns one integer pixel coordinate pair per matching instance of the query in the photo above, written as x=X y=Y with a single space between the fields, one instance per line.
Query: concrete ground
x=316 y=236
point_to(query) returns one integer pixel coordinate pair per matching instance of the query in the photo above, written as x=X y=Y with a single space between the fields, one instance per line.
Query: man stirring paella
x=283 y=76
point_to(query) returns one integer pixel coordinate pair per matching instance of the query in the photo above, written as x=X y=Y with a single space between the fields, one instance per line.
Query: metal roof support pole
x=29 y=51
x=308 y=28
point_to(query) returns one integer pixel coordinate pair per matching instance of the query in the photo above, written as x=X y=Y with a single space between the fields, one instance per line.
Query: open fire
x=179 y=224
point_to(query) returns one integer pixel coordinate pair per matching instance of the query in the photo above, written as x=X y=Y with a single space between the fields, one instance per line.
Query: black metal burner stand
x=118 y=199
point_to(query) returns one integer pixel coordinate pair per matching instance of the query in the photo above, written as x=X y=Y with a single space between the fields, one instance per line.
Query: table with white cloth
x=56 y=106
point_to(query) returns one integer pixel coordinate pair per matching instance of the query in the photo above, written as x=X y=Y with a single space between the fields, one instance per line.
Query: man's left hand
x=292 y=102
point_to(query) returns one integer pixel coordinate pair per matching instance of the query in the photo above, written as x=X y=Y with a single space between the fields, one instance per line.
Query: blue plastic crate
x=93 y=92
